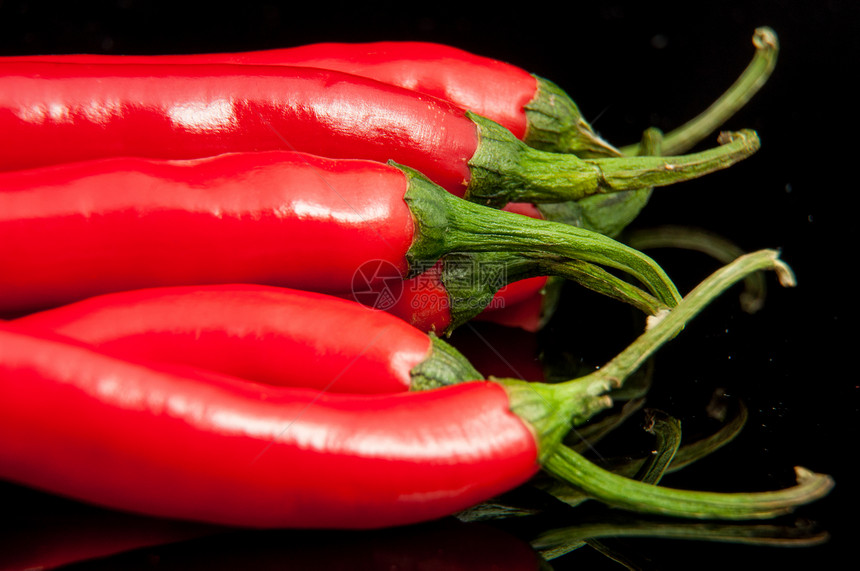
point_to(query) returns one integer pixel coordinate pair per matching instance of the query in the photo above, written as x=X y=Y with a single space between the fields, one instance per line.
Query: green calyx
x=551 y=412
x=504 y=169
x=555 y=124
x=484 y=249
x=443 y=366
x=472 y=279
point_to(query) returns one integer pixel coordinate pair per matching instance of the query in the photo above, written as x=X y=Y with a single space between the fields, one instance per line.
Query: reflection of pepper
x=290 y=219
x=532 y=108
x=271 y=335
x=52 y=113
x=51 y=532
x=442 y=544
x=500 y=351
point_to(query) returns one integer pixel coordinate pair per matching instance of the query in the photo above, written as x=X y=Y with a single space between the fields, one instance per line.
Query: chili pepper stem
x=627 y=493
x=610 y=214
x=444 y=366
x=504 y=169
x=447 y=224
x=547 y=406
x=586 y=394
x=752 y=79
x=472 y=279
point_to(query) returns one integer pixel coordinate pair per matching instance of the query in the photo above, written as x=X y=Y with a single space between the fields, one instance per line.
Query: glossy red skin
x=154 y=441
x=425 y=304
x=271 y=335
x=277 y=218
x=489 y=87
x=424 y=301
x=52 y=113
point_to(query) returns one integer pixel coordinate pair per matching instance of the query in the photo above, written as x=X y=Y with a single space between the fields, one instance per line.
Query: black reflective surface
x=629 y=65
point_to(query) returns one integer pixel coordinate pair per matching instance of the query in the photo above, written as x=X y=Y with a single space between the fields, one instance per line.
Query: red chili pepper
x=289 y=219
x=52 y=113
x=159 y=441
x=271 y=335
x=534 y=109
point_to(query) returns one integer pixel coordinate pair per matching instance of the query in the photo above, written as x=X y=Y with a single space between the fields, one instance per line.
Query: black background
x=630 y=65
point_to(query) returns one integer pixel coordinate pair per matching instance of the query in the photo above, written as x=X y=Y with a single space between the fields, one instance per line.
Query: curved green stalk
x=446 y=224
x=504 y=169
x=610 y=213
x=552 y=409
x=626 y=493
x=471 y=280
x=755 y=75
x=630 y=468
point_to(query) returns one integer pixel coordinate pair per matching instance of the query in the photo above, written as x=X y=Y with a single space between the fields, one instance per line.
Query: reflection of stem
x=718 y=247
x=694 y=451
x=667 y=432
x=756 y=74
x=558 y=542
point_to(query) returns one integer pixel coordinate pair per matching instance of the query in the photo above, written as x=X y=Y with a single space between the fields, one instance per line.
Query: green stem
x=685 y=455
x=629 y=494
x=610 y=213
x=598 y=280
x=551 y=409
x=504 y=169
x=588 y=436
x=756 y=74
x=472 y=279
x=647 y=171
x=446 y=224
